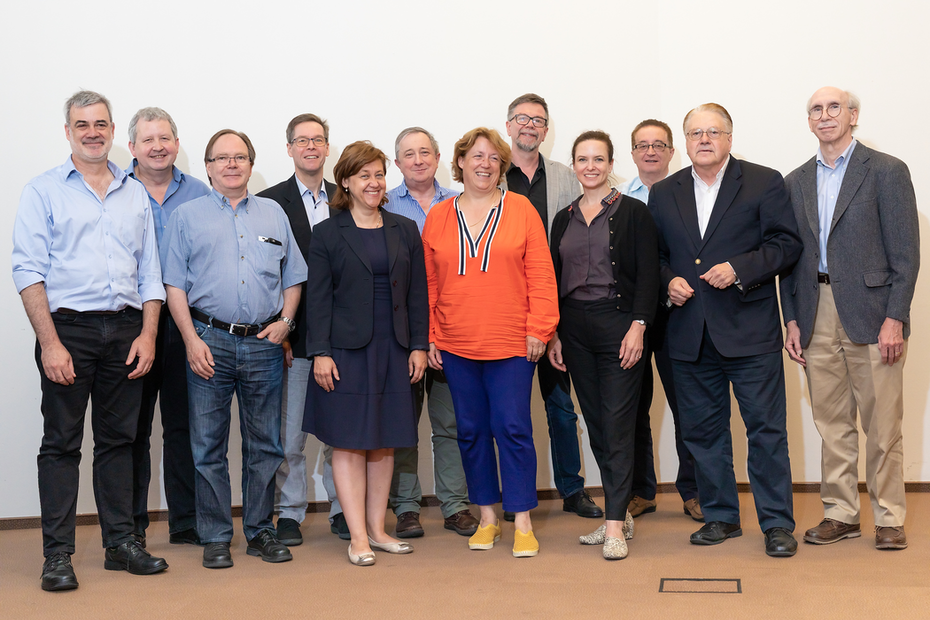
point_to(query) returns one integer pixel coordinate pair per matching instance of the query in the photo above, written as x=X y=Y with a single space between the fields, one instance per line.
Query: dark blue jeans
x=168 y=377
x=254 y=370
x=556 y=389
x=99 y=346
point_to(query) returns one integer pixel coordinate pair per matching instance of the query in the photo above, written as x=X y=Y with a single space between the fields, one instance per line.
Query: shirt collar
x=303 y=189
x=223 y=202
x=635 y=184
x=719 y=176
x=839 y=160
x=116 y=171
x=176 y=173
x=439 y=192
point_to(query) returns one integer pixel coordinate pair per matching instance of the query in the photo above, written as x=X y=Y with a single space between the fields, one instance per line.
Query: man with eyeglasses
x=847 y=306
x=417 y=157
x=725 y=232
x=154 y=144
x=305 y=199
x=549 y=186
x=234 y=274
x=85 y=263
x=653 y=150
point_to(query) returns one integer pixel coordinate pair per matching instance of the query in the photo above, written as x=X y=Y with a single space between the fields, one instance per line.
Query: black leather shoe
x=780 y=543
x=139 y=538
x=58 y=574
x=185 y=537
x=266 y=545
x=217 y=555
x=289 y=532
x=581 y=504
x=130 y=556
x=510 y=517
x=715 y=533
x=340 y=527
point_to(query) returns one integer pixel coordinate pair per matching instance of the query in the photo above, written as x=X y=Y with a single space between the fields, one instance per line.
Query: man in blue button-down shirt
x=85 y=264
x=234 y=273
x=153 y=142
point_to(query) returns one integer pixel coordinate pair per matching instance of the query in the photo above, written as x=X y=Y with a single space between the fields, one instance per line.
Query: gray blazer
x=562 y=187
x=873 y=252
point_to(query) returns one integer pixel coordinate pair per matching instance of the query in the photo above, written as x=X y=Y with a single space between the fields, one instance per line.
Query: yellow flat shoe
x=524 y=545
x=485 y=537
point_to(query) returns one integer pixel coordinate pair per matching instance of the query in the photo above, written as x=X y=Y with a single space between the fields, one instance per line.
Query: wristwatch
x=640 y=321
x=291 y=323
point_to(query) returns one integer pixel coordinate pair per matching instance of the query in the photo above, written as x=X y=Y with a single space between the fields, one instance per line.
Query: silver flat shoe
x=363 y=559
x=628 y=526
x=398 y=547
x=596 y=537
x=615 y=548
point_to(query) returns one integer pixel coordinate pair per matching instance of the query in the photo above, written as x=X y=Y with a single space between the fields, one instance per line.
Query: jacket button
x=395 y=283
x=697 y=261
x=611 y=247
x=395 y=308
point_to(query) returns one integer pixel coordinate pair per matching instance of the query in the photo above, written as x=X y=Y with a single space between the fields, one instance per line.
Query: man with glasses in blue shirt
x=154 y=144
x=416 y=155
x=234 y=272
x=550 y=187
x=653 y=150
x=85 y=263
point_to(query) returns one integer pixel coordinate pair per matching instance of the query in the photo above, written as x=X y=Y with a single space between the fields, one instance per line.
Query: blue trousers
x=492 y=404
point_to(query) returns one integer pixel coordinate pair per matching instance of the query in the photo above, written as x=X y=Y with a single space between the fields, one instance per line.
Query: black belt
x=93 y=312
x=236 y=329
x=823 y=278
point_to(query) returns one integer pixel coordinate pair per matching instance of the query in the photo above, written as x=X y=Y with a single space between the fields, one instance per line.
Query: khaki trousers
x=844 y=376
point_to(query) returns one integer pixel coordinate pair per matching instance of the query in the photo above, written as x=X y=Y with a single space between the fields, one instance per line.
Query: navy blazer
x=753 y=228
x=340 y=287
x=287 y=194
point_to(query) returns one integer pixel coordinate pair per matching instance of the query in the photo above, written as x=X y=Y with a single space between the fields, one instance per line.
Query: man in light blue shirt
x=653 y=150
x=85 y=264
x=153 y=142
x=234 y=272
x=417 y=157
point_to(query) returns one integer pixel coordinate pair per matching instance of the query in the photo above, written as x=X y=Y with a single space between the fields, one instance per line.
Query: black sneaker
x=289 y=532
x=340 y=527
x=58 y=574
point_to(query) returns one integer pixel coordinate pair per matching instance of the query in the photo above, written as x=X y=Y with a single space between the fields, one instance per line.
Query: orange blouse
x=487 y=296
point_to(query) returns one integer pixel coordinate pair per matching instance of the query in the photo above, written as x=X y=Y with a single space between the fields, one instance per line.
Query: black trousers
x=169 y=378
x=99 y=346
x=591 y=334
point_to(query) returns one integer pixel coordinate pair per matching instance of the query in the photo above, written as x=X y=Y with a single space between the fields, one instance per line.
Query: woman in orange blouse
x=493 y=308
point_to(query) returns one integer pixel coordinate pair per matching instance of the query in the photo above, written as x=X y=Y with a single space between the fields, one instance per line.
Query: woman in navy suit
x=368 y=323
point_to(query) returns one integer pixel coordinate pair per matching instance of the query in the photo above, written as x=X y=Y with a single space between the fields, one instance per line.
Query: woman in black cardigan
x=368 y=333
x=605 y=251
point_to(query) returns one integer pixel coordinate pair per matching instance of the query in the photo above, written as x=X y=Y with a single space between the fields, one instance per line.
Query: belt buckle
x=238 y=329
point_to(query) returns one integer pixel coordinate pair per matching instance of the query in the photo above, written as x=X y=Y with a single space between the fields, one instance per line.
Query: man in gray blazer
x=846 y=306
x=549 y=186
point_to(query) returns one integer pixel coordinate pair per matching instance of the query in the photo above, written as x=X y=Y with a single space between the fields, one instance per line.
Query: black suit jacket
x=340 y=287
x=287 y=194
x=753 y=228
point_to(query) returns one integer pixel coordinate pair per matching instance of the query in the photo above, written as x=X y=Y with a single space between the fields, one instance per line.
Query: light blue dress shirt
x=635 y=189
x=402 y=203
x=233 y=264
x=317 y=208
x=829 y=182
x=92 y=254
x=181 y=189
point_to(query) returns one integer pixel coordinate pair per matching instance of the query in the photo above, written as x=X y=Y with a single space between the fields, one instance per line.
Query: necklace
x=378 y=225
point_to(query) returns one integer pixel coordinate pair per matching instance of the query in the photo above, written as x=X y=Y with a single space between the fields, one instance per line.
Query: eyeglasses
x=713 y=133
x=658 y=147
x=305 y=142
x=523 y=119
x=224 y=160
x=833 y=110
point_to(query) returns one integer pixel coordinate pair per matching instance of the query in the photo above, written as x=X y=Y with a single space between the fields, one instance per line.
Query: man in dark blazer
x=305 y=199
x=725 y=231
x=847 y=311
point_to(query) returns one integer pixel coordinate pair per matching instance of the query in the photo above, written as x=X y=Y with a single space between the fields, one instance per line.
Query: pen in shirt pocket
x=270 y=240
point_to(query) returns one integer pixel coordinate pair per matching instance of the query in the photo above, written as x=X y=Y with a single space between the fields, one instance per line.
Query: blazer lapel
x=729 y=187
x=687 y=208
x=855 y=172
x=391 y=237
x=297 y=213
x=808 y=181
x=353 y=239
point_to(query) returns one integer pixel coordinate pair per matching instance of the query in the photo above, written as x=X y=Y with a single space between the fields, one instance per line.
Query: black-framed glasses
x=658 y=147
x=833 y=110
x=713 y=133
x=223 y=160
x=305 y=142
x=523 y=119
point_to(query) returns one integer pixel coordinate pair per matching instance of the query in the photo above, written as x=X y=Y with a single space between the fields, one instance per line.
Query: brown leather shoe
x=890 y=537
x=462 y=523
x=639 y=506
x=830 y=531
x=408 y=525
x=693 y=510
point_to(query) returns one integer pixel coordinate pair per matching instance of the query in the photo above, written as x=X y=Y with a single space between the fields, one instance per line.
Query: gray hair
x=151 y=114
x=527 y=98
x=84 y=98
x=717 y=109
x=852 y=102
x=409 y=130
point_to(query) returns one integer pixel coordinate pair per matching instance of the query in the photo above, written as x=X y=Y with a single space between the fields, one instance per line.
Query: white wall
x=373 y=68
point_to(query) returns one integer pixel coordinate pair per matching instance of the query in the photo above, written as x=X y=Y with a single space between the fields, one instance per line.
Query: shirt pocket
x=268 y=259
